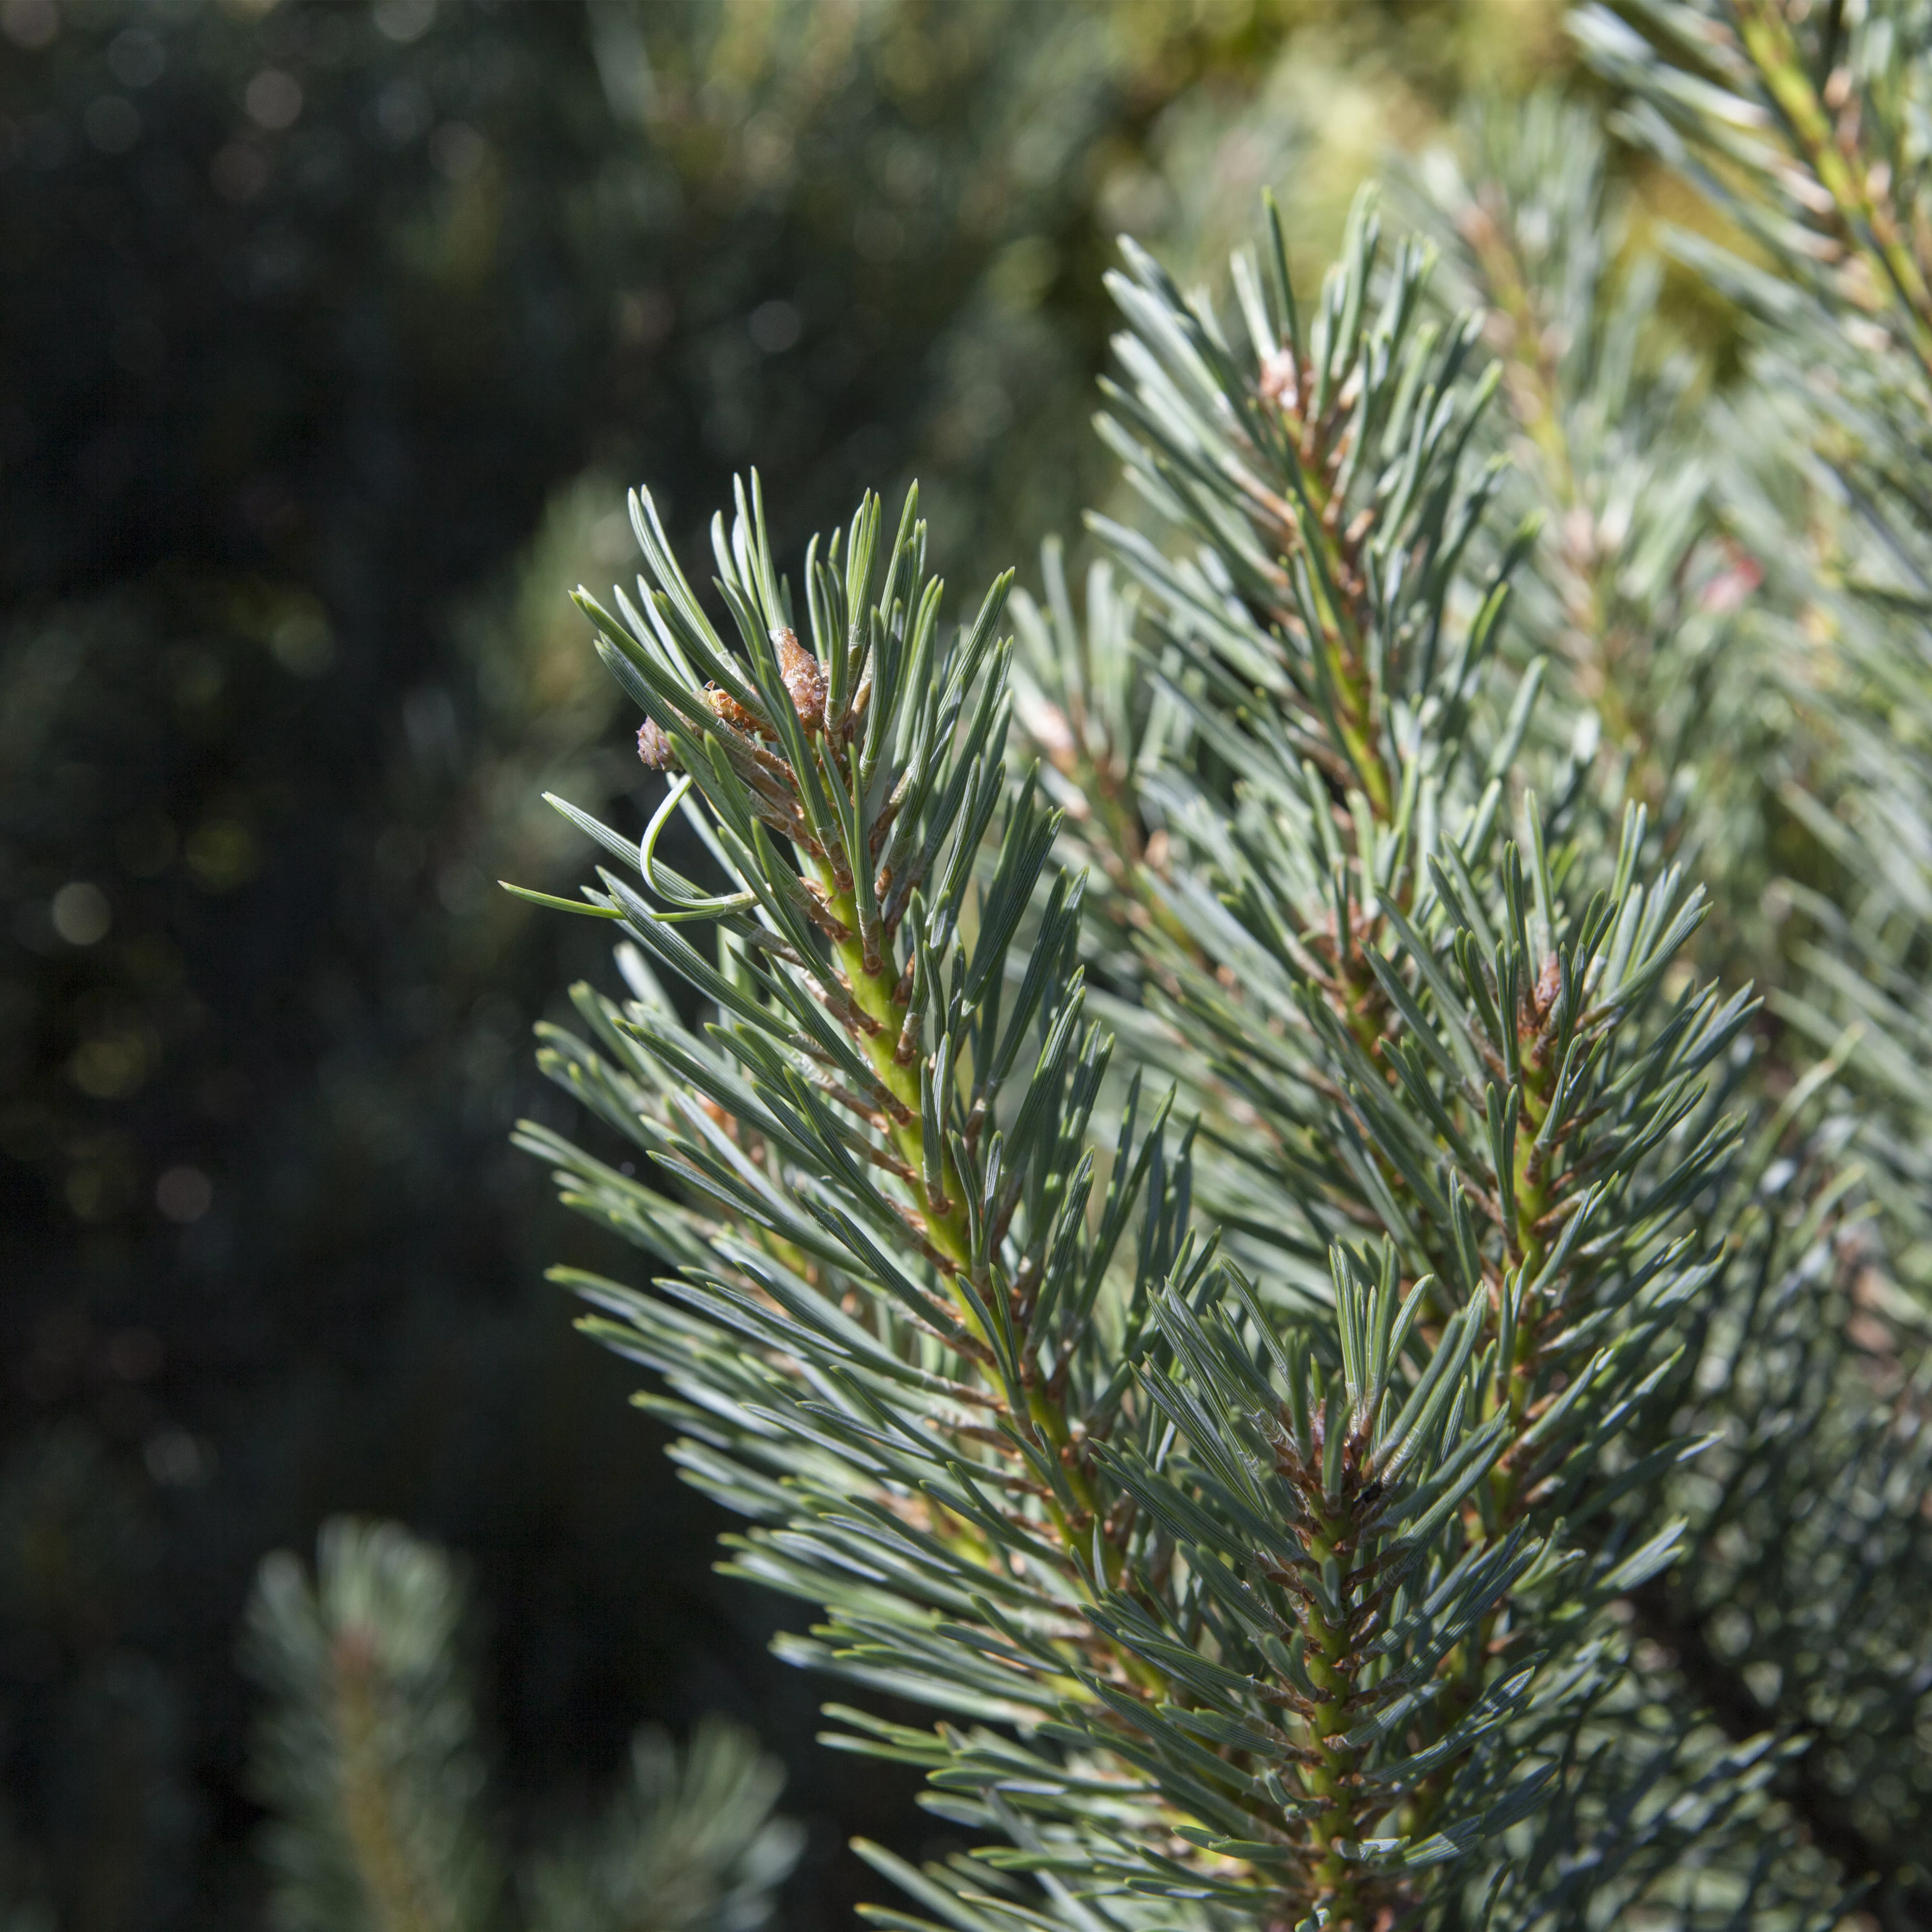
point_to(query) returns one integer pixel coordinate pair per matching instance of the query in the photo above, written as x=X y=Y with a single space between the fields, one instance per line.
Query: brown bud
x=1549 y=984
x=655 y=747
x=804 y=678
x=727 y=709
x=1279 y=384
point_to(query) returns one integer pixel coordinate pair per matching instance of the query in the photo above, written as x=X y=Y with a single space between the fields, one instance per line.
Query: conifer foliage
x=369 y=1760
x=1232 y=1586
x=1798 y=1606
x=1809 y=133
x=1267 y=1458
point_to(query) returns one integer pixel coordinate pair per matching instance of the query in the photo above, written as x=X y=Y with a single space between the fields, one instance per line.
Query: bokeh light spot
x=81 y=913
x=183 y=1194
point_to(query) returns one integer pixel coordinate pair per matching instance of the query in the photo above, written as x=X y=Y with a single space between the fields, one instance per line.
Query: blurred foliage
x=1639 y=592
x=369 y=1756
x=326 y=331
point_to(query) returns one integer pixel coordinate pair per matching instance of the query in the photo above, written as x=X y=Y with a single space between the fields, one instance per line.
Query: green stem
x=949 y=1231
x=1330 y=1778
x=401 y=1896
x=1355 y=719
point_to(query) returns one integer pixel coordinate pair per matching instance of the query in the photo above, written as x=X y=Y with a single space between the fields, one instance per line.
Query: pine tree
x=1402 y=1452
x=369 y=1762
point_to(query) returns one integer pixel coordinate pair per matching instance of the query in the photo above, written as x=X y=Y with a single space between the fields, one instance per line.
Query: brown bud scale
x=728 y=710
x=655 y=747
x=804 y=678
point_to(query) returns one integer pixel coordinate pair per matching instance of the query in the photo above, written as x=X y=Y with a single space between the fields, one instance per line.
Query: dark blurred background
x=330 y=336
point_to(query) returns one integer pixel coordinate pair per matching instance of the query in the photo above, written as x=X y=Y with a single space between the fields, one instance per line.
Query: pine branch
x=368 y=1760
x=690 y=1845
x=1381 y=1491
x=1636 y=594
x=1736 y=91
x=367 y=1755
x=1260 y=1503
x=1333 y=991
x=1799 y=128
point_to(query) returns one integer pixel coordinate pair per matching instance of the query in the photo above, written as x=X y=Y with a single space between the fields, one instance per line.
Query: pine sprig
x=1452 y=991
x=1323 y=477
x=1803 y=127
x=1249 y=1587
x=1393 y=1017
x=369 y=1759
x=887 y=1102
x=1831 y=439
x=690 y=1845
x=1634 y=590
